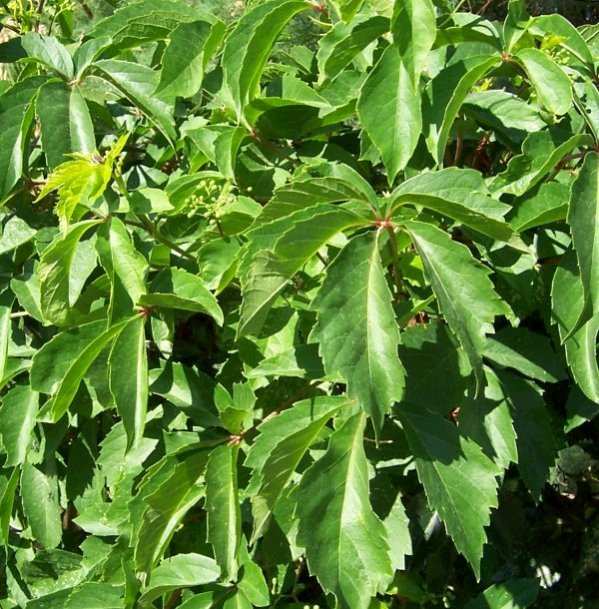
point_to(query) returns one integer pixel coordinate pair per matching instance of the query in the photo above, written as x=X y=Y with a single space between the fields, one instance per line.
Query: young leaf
x=346 y=543
x=459 y=480
x=356 y=327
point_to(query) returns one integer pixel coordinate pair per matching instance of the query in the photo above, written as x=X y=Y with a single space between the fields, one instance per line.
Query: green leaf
x=394 y=127
x=16 y=115
x=414 y=30
x=462 y=287
x=49 y=52
x=128 y=372
x=137 y=83
x=65 y=122
x=553 y=87
x=175 y=288
x=459 y=480
x=536 y=442
x=357 y=330
x=39 y=496
x=444 y=97
x=180 y=571
x=57 y=272
x=165 y=506
x=344 y=42
x=222 y=507
x=270 y=272
x=5 y=336
x=346 y=543
x=7 y=499
x=302 y=361
x=128 y=264
x=488 y=421
x=582 y=217
x=17 y=422
x=281 y=445
x=398 y=533
x=191 y=46
x=460 y=194
x=16 y=232
x=57 y=407
x=512 y=594
x=248 y=46
x=527 y=352
x=580 y=345
x=546 y=205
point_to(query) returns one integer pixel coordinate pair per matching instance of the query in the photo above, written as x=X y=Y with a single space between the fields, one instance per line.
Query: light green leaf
x=546 y=205
x=397 y=524
x=462 y=287
x=357 y=330
x=180 y=571
x=553 y=87
x=583 y=218
x=39 y=496
x=222 y=507
x=165 y=506
x=128 y=373
x=16 y=232
x=7 y=499
x=17 y=422
x=248 y=46
x=345 y=542
x=5 y=336
x=389 y=110
x=459 y=480
x=527 y=352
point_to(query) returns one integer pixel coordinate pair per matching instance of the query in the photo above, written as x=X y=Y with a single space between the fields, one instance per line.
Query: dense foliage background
x=299 y=304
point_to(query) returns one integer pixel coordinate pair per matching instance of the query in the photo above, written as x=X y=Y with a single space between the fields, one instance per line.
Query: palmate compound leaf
x=460 y=481
x=356 y=327
x=345 y=542
x=281 y=445
x=462 y=287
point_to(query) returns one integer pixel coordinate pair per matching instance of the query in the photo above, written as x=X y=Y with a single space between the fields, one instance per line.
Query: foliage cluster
x=293 y=322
